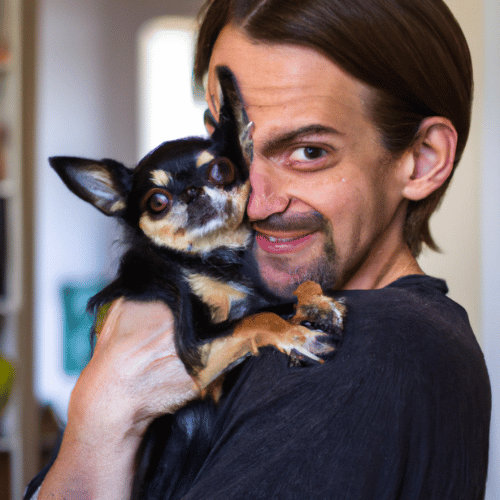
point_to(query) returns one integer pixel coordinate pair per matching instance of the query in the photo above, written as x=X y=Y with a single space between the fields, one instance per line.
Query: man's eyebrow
x=281 y=142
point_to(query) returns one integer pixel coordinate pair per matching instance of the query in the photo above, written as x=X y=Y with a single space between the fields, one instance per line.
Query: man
x=361 y=113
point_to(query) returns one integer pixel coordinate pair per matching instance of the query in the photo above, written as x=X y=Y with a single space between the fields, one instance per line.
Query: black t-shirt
x=401 y=410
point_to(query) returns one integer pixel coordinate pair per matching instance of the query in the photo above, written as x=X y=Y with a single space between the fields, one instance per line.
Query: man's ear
x=429 y=162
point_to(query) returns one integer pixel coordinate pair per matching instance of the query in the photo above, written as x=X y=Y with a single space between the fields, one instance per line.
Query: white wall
x=71 y=237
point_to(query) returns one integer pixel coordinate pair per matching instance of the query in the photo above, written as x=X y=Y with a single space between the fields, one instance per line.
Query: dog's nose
x=190 y=194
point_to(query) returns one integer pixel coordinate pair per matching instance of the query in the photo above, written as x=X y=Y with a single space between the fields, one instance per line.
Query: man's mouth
x=277 y=245
x=278 y=234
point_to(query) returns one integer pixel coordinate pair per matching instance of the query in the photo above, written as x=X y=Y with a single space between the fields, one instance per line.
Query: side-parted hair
x=412 y=52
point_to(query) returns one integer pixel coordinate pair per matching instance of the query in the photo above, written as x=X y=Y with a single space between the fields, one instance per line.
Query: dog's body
x=184 y=206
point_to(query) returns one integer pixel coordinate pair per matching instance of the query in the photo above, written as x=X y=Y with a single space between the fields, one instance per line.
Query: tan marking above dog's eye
x=161 y=178
x=156 y=201
x=203 y=158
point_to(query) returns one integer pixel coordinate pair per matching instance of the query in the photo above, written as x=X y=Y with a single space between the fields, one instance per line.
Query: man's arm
x=133 y=377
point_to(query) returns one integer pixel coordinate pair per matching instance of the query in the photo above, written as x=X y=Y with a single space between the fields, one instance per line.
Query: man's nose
x=268 y=195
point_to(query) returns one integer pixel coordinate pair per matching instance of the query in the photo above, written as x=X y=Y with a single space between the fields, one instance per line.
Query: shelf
x=7 y=188
x=19 y=437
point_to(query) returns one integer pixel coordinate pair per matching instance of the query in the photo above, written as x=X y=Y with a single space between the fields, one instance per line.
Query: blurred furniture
x=19 y=422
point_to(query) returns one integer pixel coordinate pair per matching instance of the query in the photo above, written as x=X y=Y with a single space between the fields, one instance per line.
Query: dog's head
x=188 y=195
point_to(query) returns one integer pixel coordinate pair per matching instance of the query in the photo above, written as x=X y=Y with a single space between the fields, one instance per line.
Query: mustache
x=308 y=221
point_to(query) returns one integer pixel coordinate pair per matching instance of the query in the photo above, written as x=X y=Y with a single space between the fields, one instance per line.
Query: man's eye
x=307 y=153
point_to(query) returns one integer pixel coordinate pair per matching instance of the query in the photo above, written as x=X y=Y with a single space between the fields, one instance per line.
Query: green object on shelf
x=7 y=376
x=77 y=325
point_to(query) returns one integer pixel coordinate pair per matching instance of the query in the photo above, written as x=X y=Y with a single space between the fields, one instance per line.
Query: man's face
x=326 y=197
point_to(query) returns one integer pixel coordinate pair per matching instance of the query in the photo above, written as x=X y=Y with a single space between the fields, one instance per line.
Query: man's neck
x=378 y=273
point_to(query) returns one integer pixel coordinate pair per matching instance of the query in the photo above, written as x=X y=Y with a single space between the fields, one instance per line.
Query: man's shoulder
x=410 y=323
x=411 y=305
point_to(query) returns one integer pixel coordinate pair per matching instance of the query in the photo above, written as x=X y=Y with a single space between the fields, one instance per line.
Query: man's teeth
x=279 y=240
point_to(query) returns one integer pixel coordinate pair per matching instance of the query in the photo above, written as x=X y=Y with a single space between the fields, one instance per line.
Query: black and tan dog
x=184 y=206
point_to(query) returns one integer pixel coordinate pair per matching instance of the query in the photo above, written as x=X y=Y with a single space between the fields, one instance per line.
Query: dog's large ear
x=104 y=184
x=233 y=112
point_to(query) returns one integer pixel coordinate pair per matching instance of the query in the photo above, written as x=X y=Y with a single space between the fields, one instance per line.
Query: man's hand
x=133 y=377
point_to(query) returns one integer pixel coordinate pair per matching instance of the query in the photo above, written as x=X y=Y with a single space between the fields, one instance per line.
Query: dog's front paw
x=300 y=342
x=321 y=314
x=317 y=311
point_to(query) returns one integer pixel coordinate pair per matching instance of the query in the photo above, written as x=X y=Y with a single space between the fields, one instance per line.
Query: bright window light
x=168 y=107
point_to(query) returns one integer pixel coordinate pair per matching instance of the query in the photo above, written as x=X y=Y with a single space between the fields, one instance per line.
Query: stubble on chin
x=283 y=277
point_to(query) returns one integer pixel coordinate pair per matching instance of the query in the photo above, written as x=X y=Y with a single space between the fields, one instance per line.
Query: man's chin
x=280 y=283
x=283 y=281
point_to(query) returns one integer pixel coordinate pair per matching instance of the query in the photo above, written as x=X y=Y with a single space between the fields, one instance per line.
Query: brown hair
x=412 y=52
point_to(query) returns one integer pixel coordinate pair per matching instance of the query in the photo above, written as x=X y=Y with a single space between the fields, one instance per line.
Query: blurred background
x=113 y=78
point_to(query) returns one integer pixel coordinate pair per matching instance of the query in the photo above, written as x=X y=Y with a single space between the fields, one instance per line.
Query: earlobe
x=430 y=159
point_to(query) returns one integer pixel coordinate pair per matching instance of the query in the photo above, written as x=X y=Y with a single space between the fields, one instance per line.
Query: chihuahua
x=184 y=208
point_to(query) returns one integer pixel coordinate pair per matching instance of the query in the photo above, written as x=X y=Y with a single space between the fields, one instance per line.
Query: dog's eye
x=157 y=201
x=221 y=172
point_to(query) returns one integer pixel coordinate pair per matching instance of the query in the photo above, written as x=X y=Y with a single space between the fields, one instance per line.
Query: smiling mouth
x=280 y=234
x=276 y=245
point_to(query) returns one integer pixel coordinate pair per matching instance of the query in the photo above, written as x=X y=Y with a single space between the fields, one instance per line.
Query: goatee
x=321 y=270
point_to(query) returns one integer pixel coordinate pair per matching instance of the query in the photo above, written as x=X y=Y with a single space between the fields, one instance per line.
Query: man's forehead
x=271 y=75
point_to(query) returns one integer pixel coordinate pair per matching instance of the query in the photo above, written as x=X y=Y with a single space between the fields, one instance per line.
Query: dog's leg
x=251 y=333
x=321 y=313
